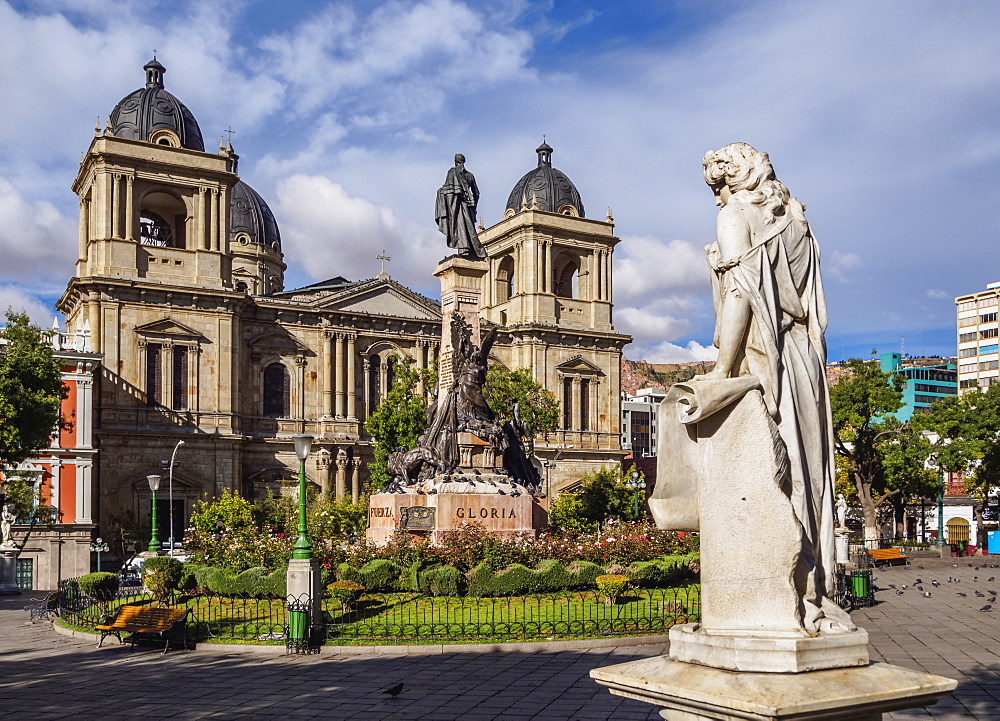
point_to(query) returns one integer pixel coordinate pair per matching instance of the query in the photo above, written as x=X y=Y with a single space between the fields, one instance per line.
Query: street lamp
x=303 y=444
x=171 y=493
x=638 y=485
x=154 y=538
x=98 y=547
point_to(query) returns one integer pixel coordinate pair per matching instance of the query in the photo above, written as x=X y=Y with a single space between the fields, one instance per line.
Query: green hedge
x=377 y=575
x=661 y=572
x=442 y=581
x=100 y=586
x=256 y=581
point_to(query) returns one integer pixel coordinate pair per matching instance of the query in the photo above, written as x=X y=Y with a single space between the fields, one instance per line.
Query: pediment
x=168 y=327
x=577 y=364
x=278 y=339
x=382 y=297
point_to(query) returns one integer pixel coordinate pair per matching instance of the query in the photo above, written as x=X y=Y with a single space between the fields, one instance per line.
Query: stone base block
x=303 y=581
x=8 y=575
x=688 y=692
x=768 y=654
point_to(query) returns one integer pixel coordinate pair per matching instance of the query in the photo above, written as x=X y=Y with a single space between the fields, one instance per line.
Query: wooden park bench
x=888 y=556
x=43 y=607
x=150 y=621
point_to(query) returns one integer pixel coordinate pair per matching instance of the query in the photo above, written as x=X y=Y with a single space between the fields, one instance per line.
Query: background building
x=640 y=413
x=978 y=338
x=63 y=476
x=927 y=380
x=180 y=286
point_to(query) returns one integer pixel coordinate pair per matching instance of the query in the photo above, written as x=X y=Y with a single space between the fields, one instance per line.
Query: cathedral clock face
x=154 y=230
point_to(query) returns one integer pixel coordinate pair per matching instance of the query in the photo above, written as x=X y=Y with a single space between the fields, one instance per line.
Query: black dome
x=250 y=216
x=141 y=114
x=545 y=188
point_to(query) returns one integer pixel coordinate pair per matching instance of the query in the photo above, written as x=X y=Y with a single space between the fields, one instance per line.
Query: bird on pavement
x=963 y=595
x=920 y=588
x=935 y=584
x=394 y=691
x=927 y=594
x=992 y=599
x=892 y=586
x=991 y=578
x=980 y=594
x=987 y=607
x=899 y=593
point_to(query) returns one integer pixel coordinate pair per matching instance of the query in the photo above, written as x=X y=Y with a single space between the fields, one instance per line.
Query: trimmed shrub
x=582 y=574
x=377 y=575
x=251 y=582
x=517 y=579
x=442 y=581
x=347 y=592
x=662 y=572
x=612 y=586
x=162 y=575
x=100 y=586
x=410 y=580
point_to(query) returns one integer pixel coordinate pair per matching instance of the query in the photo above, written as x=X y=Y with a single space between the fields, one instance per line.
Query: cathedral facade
x=179 y=286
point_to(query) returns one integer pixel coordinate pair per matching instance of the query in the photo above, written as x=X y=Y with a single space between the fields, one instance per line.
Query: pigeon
x=935 y=584
x=963 y=595
x=980 y=594
x=904 y=587
x=899 y=593
x=892 y=586
x=920 y=588
x=920 y=567
x=992 y=593
x=992 y=599
x=927 y=594
x=954 y=565
x=991 y=579
x=975 y=578
x=394 y=691
x=987 y=607
x=977 y=568
x=919 y=580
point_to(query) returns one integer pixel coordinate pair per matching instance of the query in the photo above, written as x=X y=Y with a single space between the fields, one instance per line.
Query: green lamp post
x=154 y=538
x=940 y=518
x=638 y=485
x=303 y=444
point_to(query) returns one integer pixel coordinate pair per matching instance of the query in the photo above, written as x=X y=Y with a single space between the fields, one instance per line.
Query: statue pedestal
x=688 y=692
x=504 y=515
x=461 y=291
x=8 y=573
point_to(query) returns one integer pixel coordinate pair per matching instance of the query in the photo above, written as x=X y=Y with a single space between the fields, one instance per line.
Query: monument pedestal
x=688 y=692
x=504 y=515
x=303 y=580
x=8 y=574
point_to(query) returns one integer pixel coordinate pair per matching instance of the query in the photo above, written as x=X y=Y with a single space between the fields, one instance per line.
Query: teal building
x=925 y=383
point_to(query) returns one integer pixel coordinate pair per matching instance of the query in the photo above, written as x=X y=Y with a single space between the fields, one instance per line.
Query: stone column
x=341 y=481
x=116 y=206
x=355 y=479
x=94 y=308
x=461 y=291
x=352 y=379
x=85 y=410
x=323 y=465
x=84 y=489
x=366 y=368
x=339 y=376
x=213 y=225
x=221 y=239
x=84 y=230
x=327 y=373
x=201 y=237
x=55 y=467
x=300 y=362
x=130 y=208
x=577 y=419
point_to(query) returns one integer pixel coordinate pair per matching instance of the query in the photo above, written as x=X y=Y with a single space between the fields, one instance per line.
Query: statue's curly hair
x=742 y=167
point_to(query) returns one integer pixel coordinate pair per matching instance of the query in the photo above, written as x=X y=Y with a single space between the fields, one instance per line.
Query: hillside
x=640 y=374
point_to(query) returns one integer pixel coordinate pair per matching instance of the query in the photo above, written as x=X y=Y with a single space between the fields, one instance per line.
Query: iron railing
x=382 y=618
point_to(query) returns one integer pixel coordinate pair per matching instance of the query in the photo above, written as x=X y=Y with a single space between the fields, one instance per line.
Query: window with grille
x=180 y=390
x=277 y=391
x=568 y=403
x=154 y=374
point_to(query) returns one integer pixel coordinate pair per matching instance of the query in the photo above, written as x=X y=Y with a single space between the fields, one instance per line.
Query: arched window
x=505 y=287
x=374 y=378
x=162 y=221
x=277 y=391
x=565 y=282
x=958 y=531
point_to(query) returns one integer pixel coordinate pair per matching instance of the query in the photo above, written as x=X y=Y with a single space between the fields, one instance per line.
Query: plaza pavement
x=48 y=676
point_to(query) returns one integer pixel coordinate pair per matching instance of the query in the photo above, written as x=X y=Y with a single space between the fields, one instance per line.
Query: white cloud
x=18 y=299
x=938 y=294
x=843 y=266
x=667 y=352
x=334 y=233
x=37 y=243
x=646 y=265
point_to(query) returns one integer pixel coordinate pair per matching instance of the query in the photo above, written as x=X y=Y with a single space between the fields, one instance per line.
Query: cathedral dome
x=546 y=188
x=250 y=220
x=155 y=116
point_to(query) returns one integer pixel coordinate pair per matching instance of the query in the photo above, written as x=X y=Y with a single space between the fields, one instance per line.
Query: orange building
x=63 y=476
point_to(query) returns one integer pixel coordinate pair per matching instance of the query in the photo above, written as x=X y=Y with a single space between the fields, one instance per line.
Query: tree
x=904 y=456
x=602 y=495
x=398 y=420
x=31 y=390
x=967 y=430
x=860 y=403
x=506 y=388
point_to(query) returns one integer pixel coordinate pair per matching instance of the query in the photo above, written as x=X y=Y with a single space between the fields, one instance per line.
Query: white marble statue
x=841 y=511
x=7 y=519
x=746 y=452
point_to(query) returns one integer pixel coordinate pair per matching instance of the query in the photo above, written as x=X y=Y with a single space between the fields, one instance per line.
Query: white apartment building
x=639 y=416
x=977 y=338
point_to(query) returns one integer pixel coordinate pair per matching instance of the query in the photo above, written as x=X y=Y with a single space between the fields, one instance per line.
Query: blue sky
x=881 y=117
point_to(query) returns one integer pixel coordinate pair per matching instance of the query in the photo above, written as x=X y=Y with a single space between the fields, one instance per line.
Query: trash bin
x=861 y=585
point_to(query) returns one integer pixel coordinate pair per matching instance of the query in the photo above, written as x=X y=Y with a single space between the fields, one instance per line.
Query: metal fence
x=382 y=618
x=859 y=547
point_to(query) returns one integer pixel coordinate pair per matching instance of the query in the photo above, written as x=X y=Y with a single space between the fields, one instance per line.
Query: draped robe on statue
x=784 y=355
